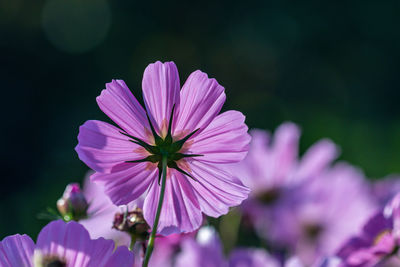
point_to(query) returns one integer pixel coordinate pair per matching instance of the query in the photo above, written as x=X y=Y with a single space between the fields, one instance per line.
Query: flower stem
x=150 y=244
x=133 y=241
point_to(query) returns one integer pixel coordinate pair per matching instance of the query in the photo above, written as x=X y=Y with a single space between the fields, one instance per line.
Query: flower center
x=270 y=196
x=313 y=230
x=165 y=147
x=379 y=236
x=40 y=260
x=55 y=263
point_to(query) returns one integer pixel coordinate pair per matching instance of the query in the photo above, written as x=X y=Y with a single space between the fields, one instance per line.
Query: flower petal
x=118 y=102
x=216 y=190
x=160 y=92
x=316 y=159
x=252 y=257
x=122 y=257
x=205 y=251
x=201 y=100
x=101 y=226
x=128 y=182
x=69 y=241
x=16 y=250
x=99 y=250
x=225 y=140
x=284 y=152
x=101 y=209
x=101 y=146
x=180 y=211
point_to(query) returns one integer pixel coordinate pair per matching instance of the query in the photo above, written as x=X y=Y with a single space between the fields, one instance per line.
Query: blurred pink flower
x=378 y=241
x=302 y=205
x=205 y=250
x=272 y=164
x=333 y=208
x=252 y=257
x=183 y=124
x=62 y=244
x=273 y=172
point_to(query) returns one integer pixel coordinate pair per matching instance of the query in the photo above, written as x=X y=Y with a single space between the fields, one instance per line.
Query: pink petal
x=16 y=250
x=160 y=92
x=66 y=240
x=101 y=226
x=284 y=151
x=95 y=195
x=127 y=183
x=253 y=257
x=71 y=242
x=225 y=140
x=180 y=211
x=201 y=101
x=101 y=146
x=121 y=106
x=101 y=213
x=122 y=257
x=216 y=190
x=317 y=158
x=99 y=250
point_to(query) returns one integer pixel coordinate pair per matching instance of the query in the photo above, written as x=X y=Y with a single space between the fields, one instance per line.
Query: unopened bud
x=133 y=223
x=73 y=204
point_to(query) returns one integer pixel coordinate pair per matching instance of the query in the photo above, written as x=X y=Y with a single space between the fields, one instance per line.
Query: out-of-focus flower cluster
x=308 y=211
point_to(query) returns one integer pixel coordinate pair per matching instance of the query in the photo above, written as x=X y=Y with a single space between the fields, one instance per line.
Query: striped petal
x=180 y=211
x=101 y=146
x=161 y=92
x=128 y=182
x=118 y=103
x=201 y=100
x=216 y=190
x=225 y=140
x=16 y=250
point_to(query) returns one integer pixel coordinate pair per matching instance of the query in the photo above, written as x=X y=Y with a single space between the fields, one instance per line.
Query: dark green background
x=331 y=67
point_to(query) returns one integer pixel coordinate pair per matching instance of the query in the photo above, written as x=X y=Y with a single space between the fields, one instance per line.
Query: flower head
x=180 y=125
x=73 y=204
x=276 y=175
x=132 y=222
x=62 y=244
x=379 y=239
x=100 y=211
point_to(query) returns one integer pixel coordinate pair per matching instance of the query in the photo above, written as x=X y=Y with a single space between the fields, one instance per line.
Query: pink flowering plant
x=171 y=152
x=163 y=171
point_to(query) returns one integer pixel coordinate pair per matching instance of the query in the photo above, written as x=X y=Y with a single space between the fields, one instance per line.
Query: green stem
x=133 y=241
x=150 y=244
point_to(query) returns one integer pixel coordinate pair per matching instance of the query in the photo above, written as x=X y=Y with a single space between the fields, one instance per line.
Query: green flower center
x=165 y=147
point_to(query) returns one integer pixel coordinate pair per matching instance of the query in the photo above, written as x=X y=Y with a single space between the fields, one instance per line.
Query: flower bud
x=73 y=204
x=133 y=223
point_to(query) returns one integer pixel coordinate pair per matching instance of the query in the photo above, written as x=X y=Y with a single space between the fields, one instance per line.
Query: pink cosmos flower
x=378 y=241
x=305 y=206
x=275 y=174
x=183 y=124
x=62 y=244
x=333 y=208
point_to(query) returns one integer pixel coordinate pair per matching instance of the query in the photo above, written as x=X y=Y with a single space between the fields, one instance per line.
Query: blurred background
x=330 y=67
